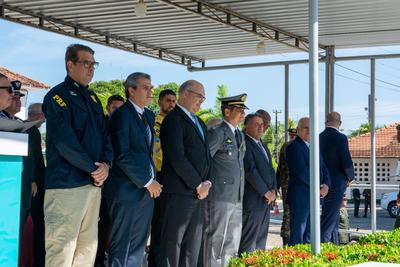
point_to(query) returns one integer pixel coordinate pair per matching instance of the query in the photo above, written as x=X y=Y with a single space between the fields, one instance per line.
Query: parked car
x=388 y=202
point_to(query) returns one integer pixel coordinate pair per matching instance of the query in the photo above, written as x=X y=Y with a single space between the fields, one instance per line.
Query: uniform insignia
x=59 y=101
x=94 y=98
x=72 y=93
x=228 y=141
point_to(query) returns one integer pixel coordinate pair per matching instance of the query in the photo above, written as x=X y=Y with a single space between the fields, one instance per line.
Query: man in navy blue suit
x=334 y=148
x=259 y=189
x=298 y=160
x=131 y=186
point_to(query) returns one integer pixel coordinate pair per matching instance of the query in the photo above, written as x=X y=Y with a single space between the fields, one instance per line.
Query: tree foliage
x=363 y=129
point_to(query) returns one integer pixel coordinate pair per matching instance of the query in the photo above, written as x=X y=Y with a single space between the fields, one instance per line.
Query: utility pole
x=276 y=133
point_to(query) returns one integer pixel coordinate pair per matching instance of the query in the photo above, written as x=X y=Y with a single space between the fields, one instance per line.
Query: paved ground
x=361 y=224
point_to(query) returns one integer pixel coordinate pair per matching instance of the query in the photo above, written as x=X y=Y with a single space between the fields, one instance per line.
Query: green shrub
x=379 y=247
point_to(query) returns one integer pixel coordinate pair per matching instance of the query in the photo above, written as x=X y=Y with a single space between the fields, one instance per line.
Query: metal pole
x=329 y=79
x=373 y=154
x=327 y=82
x=332 y=81
x=286 y=102
x=291 y=62
x=314 y=120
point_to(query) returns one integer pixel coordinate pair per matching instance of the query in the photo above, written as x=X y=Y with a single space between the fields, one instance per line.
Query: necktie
x=147 y=127
x=263 y=149
x=196 y=121
x=237 y=137
x=148 y=133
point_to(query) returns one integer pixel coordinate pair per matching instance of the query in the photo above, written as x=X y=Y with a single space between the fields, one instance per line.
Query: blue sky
x=40 y=55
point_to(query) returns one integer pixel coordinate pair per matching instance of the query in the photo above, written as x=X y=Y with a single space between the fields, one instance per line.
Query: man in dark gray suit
x=223 y=220
x=259 y=189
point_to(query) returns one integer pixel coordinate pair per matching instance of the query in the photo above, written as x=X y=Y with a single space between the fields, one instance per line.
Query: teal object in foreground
x=10 y=198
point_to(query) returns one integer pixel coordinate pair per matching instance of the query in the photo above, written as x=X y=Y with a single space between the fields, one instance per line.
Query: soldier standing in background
x=282 y=176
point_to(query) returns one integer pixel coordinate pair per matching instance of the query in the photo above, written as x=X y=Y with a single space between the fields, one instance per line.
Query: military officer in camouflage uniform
x=282 y=176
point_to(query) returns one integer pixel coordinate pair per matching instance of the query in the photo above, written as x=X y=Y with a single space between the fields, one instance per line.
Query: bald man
x=298 y=160
x=334 y=148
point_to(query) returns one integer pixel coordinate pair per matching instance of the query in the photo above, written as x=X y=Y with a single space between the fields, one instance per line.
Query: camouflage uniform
x=282 y=176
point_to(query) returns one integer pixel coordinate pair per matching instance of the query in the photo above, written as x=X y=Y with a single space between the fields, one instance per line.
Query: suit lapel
x=138 y=120
x=190 y=121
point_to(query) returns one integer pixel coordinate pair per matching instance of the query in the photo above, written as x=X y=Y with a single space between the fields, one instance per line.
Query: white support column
x=314 y=121
x=286 y=102
x=373 y=154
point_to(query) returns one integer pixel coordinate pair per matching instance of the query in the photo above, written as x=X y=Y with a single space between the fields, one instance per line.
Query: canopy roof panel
x=192 y=31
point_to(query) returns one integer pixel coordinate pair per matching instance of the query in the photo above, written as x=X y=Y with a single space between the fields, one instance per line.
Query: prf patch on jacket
x=59 y=101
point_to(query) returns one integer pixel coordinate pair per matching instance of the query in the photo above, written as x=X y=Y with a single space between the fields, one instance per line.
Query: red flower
x=251 y=260
x=372 y=256
x=285 y=260
x=330 y=255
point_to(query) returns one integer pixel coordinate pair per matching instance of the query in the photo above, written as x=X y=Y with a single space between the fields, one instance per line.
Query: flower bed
x=378 y=247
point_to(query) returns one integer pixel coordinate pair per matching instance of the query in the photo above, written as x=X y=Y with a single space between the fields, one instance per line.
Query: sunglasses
x=9 y=88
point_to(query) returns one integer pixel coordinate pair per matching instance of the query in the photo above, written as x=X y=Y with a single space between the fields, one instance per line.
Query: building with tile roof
x=27 y=83
x=387 y=159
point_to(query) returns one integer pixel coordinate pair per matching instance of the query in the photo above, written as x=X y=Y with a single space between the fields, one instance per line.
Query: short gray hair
x=34 y=109
x=132 y=79
x=188 y=85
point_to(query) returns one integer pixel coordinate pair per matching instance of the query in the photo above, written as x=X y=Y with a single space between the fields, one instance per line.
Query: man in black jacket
x=185 y=176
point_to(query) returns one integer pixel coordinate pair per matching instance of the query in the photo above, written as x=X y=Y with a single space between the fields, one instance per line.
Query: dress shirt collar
x=255 y=140
x=333 y=128
x=137 y=108
x=307 y=143
x=186 y=112
x=231 y=127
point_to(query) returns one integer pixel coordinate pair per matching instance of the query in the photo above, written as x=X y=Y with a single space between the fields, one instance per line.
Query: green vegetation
x=378 y=247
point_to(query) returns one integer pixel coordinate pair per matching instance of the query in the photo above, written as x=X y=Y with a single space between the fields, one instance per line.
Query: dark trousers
x=181 y=232
x=254 y=230
x=130 y=223
x=299 y=223
x=38 y=229
x=366 y=205
x=356 y=207
x=104 y=224
x=156 y=227
x=330 y=216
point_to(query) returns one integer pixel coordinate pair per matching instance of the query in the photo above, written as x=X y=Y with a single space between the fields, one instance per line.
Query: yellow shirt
x=157 y=152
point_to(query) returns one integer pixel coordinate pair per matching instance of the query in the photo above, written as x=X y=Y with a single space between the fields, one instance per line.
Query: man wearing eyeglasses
x=79 y=155
x=185 y=176
x=6 y=91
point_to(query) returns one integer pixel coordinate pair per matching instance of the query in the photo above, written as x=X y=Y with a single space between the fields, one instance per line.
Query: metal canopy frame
x=241 y=23
x=51 y=24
